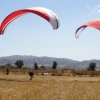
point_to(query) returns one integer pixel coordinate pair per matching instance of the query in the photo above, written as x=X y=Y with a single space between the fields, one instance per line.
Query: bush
x=92 y=73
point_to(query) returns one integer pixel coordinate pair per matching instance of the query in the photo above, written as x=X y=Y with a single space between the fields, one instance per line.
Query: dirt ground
x=42 y=87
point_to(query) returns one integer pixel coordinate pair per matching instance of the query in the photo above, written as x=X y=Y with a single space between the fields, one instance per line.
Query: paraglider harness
x=7 y=71
x=31 y=74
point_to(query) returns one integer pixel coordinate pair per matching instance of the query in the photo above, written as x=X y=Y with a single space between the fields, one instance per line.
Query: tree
x=2 y=66
x=19 y=63
x=35 y=65
x=88 y=69
x=54 y=65
x=92 y=66
x=42 y=67
x=9 y=65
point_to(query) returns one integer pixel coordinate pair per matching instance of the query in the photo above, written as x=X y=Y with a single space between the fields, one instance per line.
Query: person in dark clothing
x=31 y=73
x=7 y=71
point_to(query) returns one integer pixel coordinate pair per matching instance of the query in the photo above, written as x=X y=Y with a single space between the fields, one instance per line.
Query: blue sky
x=32 y=35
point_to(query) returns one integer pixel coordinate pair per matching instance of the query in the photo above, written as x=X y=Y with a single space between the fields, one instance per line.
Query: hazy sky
x=32 y=35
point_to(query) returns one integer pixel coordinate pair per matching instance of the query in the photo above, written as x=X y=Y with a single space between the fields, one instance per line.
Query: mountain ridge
x=47 y=61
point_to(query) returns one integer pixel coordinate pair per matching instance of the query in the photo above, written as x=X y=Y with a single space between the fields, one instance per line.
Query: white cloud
x=88 y=15
x=96 y=10
x=98 y=6
x=99 y=11
x=88 y=6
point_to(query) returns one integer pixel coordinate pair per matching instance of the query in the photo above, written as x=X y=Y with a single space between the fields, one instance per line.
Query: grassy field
x=19 y=87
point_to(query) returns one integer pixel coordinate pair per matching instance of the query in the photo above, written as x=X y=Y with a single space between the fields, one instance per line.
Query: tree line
x=20 y=64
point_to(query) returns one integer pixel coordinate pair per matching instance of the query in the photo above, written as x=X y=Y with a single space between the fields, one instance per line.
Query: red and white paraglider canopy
x=93 y=23
x=45 y=13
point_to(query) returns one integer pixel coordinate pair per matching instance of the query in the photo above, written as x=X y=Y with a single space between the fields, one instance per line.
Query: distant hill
x=47 y=61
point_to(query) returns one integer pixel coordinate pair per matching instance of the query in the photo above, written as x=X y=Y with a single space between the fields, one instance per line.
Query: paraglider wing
x=94 y=24
x=79 y=30
x=45 y=13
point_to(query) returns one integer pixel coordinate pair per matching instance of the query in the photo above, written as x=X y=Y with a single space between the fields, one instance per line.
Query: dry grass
x=19 y=87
